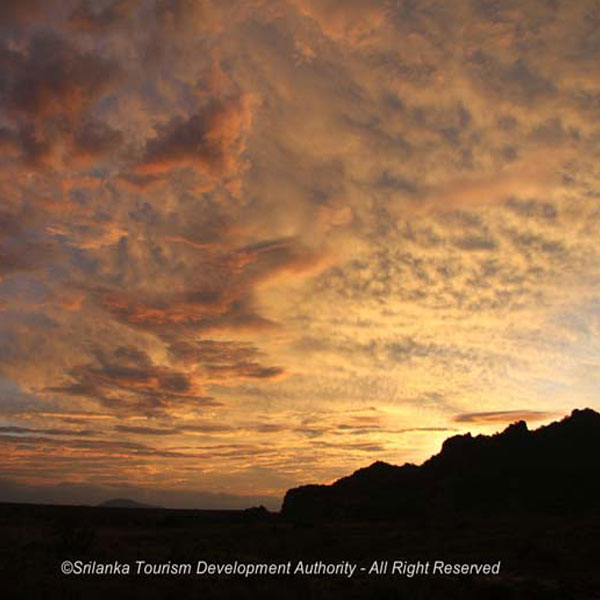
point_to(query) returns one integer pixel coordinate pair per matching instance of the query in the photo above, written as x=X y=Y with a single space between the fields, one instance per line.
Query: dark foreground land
x=544 y=555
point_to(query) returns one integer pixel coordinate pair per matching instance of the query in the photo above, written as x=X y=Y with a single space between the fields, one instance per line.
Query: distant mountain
x=556 y=468
x=124 y=503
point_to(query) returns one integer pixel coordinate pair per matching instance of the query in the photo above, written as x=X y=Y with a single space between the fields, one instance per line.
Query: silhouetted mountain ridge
x=555 y=467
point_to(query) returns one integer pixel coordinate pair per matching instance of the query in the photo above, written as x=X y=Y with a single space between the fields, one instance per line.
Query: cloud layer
x=248 y=245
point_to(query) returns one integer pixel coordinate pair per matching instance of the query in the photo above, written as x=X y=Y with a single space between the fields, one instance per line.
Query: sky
x=251 y=244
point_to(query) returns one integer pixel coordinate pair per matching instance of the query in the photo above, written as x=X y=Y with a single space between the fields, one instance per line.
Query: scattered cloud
x=246 y=245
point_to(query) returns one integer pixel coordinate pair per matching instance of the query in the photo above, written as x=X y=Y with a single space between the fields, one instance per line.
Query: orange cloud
x=353 y=21
x=537 y=175
x=156 y=214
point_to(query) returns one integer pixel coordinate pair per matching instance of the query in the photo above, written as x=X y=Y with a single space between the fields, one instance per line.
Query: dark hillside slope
x=556 y=468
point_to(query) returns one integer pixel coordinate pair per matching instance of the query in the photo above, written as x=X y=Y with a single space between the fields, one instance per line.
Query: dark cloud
x=518 y=82
x=24 y=242
x=533 y=243
x=211 y=140
x=533 y=208
x=360 y=446
x=182 y=16
x=412 y=429
x=268 y=428
x=410 y=348
x=145 y=430
x=47 y=91
x=75 y=432
x=355 y=429
x=108 y=447
x=473 y=242
x=358 y=429
x=223 y=301
x=312 y=432
x=250 y=370
x=503 y=416
x=90 y=17
x=229 y=308
x=95 y=140
x=266 y=259
x=15 y=11
x=213 y=352
x=54 y=78
x=22 y=246
x=206 y=428
x=128 y=380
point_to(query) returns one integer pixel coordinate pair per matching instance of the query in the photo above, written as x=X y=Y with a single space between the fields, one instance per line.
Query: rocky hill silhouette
x=554 y=468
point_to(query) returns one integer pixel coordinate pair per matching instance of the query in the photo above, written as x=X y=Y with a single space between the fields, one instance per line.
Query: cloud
x=222 y=359
x=90 y=18
x=355 y=21
x=526 y=178
x=203 y=312
x=127 y=380
x=250 y=370
x=231 y=229
x=49 y=89
x=14 y=11
x=226 y=301
x=20 y=430
x=211 y=141
x=89 y=447
x=55 y=78
x=360 y=446
x=145 y=430
x=95 y=140
x=22 y=246
x=503 y=416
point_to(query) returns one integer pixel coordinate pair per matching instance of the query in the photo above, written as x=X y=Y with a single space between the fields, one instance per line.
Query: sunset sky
x=252 y=244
